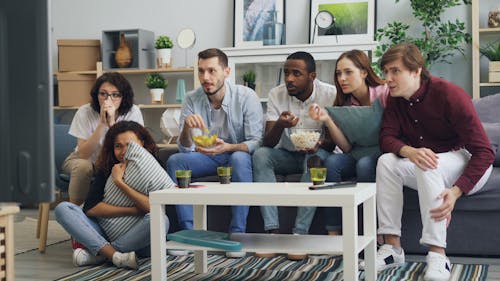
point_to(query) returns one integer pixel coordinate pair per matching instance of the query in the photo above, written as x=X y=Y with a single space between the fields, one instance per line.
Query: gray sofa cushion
x=487 y=108
x=493 y=132
x=360 y=124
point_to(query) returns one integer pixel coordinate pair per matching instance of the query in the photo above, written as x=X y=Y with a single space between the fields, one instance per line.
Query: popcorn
x=305 y=139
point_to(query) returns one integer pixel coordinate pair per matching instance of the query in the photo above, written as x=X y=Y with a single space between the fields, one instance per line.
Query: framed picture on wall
x=250 y=17
x=341 y=21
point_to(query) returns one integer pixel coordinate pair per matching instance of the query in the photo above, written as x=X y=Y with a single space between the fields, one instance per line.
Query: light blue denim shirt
x=243 y=109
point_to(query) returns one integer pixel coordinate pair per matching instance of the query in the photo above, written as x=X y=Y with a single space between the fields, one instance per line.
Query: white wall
x=212 y=21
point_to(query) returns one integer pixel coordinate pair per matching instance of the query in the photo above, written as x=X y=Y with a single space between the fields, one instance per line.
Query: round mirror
x=186 y=38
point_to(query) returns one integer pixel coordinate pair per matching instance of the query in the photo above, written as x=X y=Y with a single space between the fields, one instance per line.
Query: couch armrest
x=165 y=152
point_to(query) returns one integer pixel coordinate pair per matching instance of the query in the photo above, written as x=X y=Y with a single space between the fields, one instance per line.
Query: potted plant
x=492 y=52
x=249 y=79
x=437 y=40
x=163 y=46
x=156 y=85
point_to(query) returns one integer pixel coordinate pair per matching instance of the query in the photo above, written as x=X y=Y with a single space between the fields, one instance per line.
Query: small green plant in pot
x=249 y=79
x=163 y=42
x=156 y=85
x=163 y=46
x=492 y=52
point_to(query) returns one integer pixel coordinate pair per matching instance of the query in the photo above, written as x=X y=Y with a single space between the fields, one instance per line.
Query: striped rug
x=278 y=268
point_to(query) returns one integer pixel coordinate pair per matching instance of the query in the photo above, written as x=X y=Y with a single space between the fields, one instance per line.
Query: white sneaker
x=387 y=257
x=235 y=254
x=82 y=257
x=125 y=260
x=438 y=267
x=179 y=253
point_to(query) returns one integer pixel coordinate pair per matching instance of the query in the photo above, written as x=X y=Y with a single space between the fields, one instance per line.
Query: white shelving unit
x=266 y=61
x=481 y=34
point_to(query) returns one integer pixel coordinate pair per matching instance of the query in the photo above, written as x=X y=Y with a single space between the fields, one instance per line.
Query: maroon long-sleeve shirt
x=439 y=116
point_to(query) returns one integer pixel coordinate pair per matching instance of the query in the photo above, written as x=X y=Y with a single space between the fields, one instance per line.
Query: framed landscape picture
x=352 y=21
x=250 y=16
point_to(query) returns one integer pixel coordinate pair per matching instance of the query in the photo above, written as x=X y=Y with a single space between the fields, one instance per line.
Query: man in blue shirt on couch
x=235 y=113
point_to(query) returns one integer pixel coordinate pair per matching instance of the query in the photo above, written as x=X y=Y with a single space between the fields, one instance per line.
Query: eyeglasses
x=114 y=96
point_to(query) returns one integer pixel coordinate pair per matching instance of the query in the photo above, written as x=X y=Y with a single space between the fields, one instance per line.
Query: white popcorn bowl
x=304 y=138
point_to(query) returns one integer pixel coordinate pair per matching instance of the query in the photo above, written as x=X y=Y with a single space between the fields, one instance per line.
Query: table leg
x=200 y=222
x=369 y=229
x=350 y=242
x=158 y=242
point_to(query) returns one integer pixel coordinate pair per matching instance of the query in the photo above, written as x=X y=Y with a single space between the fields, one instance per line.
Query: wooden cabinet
x=137 y=78
x=7 y=212
x=481 y=35
x=151 y=112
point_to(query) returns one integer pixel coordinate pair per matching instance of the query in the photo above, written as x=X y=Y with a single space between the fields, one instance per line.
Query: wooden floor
x=56 y=261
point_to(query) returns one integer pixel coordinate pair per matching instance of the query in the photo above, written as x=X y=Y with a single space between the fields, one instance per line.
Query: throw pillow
x=144 y=174
x=360 y=125
x=493 y=132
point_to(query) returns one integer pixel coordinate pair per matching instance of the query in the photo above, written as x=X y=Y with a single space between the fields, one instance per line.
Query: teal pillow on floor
x=360 y=125
x=205 y=238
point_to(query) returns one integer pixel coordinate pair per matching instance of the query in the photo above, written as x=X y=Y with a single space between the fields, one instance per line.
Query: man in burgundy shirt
x=433 y=142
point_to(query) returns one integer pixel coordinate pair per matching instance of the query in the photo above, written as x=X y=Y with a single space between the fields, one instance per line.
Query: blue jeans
x=267 y=162
x=203 y=165
x=344 y=167
x=87 y=231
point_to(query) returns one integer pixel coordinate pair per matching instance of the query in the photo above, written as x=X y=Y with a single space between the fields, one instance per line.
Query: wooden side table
x=7 y=212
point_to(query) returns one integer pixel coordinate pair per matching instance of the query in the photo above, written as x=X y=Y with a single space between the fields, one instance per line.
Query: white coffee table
x=350 y=244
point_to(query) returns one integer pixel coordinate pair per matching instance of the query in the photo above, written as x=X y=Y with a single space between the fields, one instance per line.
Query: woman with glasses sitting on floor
x=112 y=101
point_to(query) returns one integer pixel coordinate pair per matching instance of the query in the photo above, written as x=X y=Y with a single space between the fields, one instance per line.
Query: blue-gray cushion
x=360 y=125
x=487 y=108
x=493 y=132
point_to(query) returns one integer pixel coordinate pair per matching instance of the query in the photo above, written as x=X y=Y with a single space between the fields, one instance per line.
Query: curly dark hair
x=362 y=62
x=107 y=158
x=123 y=86
x=306 y=57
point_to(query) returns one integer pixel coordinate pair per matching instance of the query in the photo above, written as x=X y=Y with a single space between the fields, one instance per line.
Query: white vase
x=156 y=95
x=163 y=57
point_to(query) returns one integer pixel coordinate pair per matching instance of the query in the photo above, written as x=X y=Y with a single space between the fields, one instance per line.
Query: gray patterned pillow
x=144 y=174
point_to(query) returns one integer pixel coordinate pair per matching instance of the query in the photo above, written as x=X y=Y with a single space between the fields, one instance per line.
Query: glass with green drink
x=318 y=175
x=224 y=174
x=183 y=178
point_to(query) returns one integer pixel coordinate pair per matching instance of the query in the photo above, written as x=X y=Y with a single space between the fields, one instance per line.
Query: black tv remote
x=333 y=185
